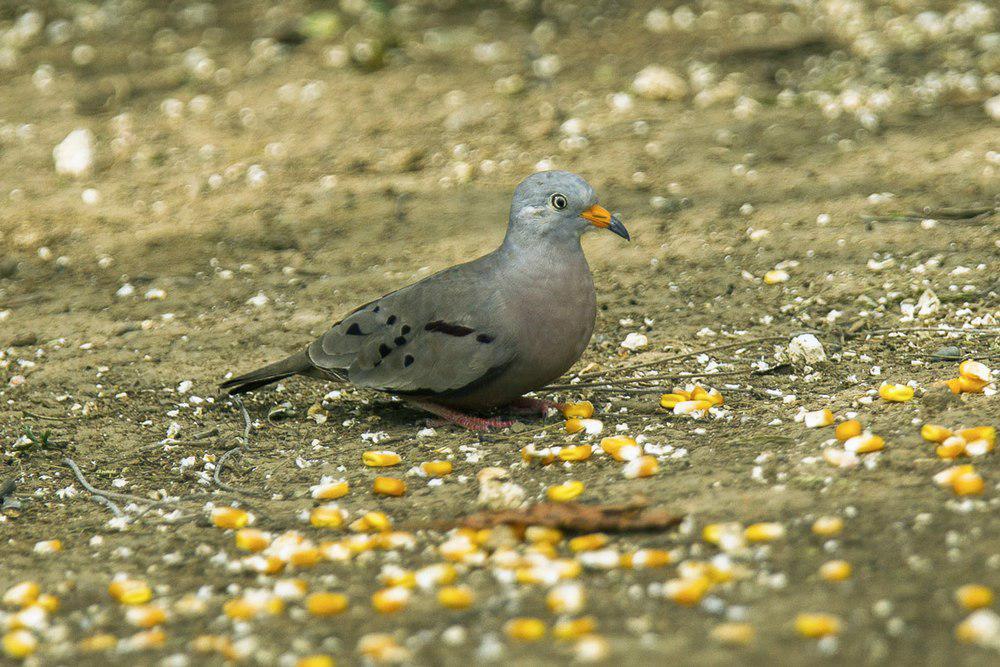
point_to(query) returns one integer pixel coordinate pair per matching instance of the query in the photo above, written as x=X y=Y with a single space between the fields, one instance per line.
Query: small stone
x=806 y=349
x=947 y=353
x=659 y=83
x=74 y=156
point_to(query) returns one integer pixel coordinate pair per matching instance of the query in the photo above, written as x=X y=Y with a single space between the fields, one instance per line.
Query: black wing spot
x=384 y=350
x=448 y=328
x=484 y=338
x=354 y=330
x=391 y=320
x=400 y=341
x=405 y=330
x=376 y=309
x=408 y=360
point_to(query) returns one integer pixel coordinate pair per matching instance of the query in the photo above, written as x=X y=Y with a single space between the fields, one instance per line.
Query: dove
x=477 y=335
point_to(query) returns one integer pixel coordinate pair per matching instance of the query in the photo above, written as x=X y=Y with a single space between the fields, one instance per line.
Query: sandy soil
x=318 y=187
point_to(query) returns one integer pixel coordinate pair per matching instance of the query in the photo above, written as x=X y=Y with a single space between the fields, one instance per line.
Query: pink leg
x=463 y=420
x=535 y=406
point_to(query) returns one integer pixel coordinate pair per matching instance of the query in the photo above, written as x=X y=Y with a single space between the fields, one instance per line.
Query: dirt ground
x=262 y=168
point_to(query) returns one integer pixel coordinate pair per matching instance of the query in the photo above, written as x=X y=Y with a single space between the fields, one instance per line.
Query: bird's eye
x=558 y=201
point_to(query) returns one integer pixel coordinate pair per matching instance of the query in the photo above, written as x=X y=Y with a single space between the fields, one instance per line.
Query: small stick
x=216 y=477
x=100 y=497
x=50 y=417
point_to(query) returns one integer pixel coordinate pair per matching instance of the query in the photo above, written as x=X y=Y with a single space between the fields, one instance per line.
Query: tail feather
x=296 y=364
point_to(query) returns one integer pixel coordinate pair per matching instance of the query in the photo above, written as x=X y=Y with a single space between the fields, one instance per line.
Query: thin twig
x=216 y=477
x=100 y=497
x=51 y=417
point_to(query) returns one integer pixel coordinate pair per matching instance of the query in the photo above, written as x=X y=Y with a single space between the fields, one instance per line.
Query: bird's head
x=556 y=205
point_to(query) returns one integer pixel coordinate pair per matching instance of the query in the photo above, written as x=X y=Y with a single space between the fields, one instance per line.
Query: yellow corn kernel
x=947 y=477
x=565 y=492
x=987 y=433
x=835 y=570
x=644 y=466
x=817 y=625
x=575 y=453
x=864 y=443
x=130 y=591
x=968 y=484
x=372 y=522
x=382 y=648
x=687 y=407
x=970 y=385
x=48 y=602
x=48 y=547
x=818 y=418
x=331 y=491
x=305 y=556
x=395 y=576
x=327 y=516
x=955 y=384
x=389 y=486
x=590 y=426
x=715 y=533
x=975 y=370
x=974 y=596
x=647 y=558
x=687 y=591
x=390 y=600
x=230 y=517
x=436 y=468
x=265 y=564
x=574 y=628
x=668 y=401
x=896 y=393
x=246 y=607
x=951 y=448
x=532 y=453
x=764 y=532
x=581 y=410
x=588 y=542
x=699 y=393
x=147 y=639
x=621 y=448
x=934 y=433
x=455 y=597
x=318 y=660
x=251 y=539
x=776 y=277
x=326 y=604
x=146 y=616
x=544 y=534
x=98 y=643
x=19 y=644
x=848 y=429
x=380 y=459
x=574 y=425
x=22 y=594
x=828 y=526
x=734 y=634
x=525 y=629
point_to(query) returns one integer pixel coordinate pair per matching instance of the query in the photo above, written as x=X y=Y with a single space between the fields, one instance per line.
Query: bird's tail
x=279 y=370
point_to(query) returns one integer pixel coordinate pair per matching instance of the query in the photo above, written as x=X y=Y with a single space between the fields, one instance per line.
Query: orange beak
x=599 y=216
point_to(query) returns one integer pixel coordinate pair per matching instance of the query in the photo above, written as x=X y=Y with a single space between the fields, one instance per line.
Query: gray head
x=557 y=206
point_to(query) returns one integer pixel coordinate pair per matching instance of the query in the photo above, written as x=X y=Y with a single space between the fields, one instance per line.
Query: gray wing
x=438 y=336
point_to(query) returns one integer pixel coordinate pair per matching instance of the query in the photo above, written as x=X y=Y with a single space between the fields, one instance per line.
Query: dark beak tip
x=618 y=228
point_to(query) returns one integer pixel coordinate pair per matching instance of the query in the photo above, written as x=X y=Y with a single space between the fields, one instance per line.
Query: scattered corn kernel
x=764 y=532
x=966 y=385
x=818 y=418
x=734 y=634
x=389 y=486
x=565 y=492
x=455 y=597
x=380 y=459
x=896 y=393
x=974 y=596
x=98 y=643
x=543 y=534
x=575 y=453
x=130 y=591
x=621 y=448
x=327 y=516
x=48 y=547
x=776 y=277
x=951 y=448
x=581 y=410
x=947 y=477
x=864 y=443
x=250 y=606
x=687 y=591
x=835 y=570
x=532 y=453
x=146 y=616
x=230 y=517
x=975 y=370
x=22 y=594
x=436 y=468
x=566 y=598
x=817 y=625
x=19 y=644
x=326 y=604
x=669 y=401
x=840 y=458
x=318 y=660
x=647 y=558
x=828 y=526
x=251 y=539
x=588 y=542
x=644 y=466
x=48 y=602
x=525 y=629
x=588 y=426
x=331 y=490
x=979 y=447
x=935 y=433
x=372 y=522
x=968 y=484
x=574 y=628
x=391 y=600
x=848 y=429
x=687 y=407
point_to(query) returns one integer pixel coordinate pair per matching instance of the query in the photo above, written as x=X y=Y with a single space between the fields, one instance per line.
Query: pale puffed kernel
x=588 y=426
x=689 y=407
x=46 y=547
x=818 y=418
x=566 y=598
x=146 y=616
x=327 y=516
x=326 y=604
x=817 y=625
x=975 y=370
x=776 y=277
x=896 y=393
x=22 y=594
x=230 y=517
x=621 y=448
x=565 y=492
x=979 y=447
x=380 y=459
x=951 y=448
x=19 y=644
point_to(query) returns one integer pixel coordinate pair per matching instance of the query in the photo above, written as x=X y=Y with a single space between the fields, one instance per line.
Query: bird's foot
x=469 y=422
x=534 y=406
